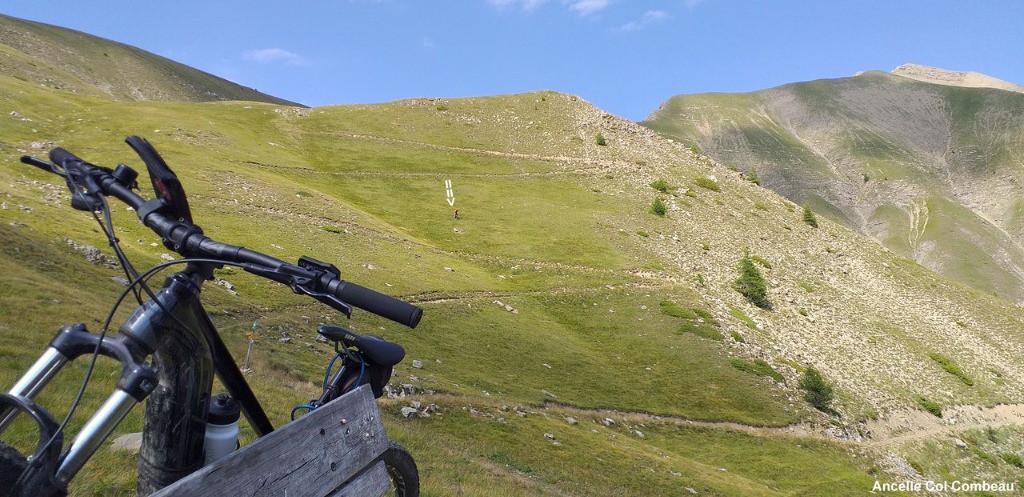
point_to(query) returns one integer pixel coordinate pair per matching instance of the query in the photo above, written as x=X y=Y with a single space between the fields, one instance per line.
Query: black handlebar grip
x=59 y=155
x=379 y=304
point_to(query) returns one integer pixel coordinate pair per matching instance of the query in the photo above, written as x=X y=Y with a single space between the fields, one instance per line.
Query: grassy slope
x=597 y=358
x=554 y=226
x=69 y=60
x=861 y=149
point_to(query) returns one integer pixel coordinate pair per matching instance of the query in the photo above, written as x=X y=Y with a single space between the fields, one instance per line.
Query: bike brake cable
x=126 y=265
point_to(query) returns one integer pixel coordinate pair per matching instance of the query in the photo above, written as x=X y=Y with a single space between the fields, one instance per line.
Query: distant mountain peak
x=954 y=78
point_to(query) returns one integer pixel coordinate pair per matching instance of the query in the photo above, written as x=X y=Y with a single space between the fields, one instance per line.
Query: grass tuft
x=670 y=308
x=950 y=367
x=759 y=367
x=661 y=185
x=929 y=405
x=738 y=313
x=707 y=184
x=1012 y=459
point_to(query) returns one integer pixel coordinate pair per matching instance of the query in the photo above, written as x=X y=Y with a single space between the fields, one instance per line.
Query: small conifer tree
x=816 y=390
x=751 y=283
x=600 y=140
x=809 y=217
x=753 y=177
x=658 y=208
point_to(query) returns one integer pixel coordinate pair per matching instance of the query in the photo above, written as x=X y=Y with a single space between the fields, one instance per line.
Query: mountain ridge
x=912 y=164
x=967 y=79
x=78 y=62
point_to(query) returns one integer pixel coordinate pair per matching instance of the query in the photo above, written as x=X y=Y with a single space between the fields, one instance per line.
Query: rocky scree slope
x=930 y=171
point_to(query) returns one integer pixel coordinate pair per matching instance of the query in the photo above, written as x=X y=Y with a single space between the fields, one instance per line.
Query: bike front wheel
x=12 y=464
x=405 y=478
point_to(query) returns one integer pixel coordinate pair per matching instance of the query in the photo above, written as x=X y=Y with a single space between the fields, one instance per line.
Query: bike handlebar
x=59 y=156
x=376 y=302
x=318 y=280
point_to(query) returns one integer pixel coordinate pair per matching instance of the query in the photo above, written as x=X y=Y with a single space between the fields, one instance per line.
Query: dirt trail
x=591 y=168
x=421 y=299
x=910 y=425
x=894 y=429
x=794 y=430
x=493 y=153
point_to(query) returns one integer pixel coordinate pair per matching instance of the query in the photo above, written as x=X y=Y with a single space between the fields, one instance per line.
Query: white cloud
x=654 y=16
x=524 y=4
x=629 y=27
x=649 y=17
x=587 y=7
x=581 y=7
x=275 y=55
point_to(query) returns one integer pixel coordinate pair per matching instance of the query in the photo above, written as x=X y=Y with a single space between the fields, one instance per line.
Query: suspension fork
x=136 y=382
x=172 y=328
x=177 y=384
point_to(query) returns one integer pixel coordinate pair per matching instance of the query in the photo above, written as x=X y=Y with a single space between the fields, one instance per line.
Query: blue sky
x=624 y=56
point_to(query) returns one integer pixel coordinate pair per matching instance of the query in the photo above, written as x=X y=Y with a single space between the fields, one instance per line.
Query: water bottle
x=221 y=427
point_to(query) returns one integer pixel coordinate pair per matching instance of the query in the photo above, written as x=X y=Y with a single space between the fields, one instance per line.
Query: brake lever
x=331 y=300
x=289 y=275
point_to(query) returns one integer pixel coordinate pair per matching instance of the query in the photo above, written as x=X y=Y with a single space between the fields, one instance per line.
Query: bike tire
x=12 y=464
x=405 y=478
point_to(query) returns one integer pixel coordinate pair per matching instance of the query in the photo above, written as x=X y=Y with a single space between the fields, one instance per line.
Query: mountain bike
x=172 y=331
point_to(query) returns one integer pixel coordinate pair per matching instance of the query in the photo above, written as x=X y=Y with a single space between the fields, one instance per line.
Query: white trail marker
x=448 y=193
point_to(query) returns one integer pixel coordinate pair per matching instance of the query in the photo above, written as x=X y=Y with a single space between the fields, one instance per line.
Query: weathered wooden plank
x=312 y=456
x=372 y=482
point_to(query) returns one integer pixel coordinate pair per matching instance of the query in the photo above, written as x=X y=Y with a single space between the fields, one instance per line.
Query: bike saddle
x=376 y=349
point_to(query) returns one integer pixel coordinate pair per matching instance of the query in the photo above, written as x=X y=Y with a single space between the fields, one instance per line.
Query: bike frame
x=172 y=328
x=186 y=353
